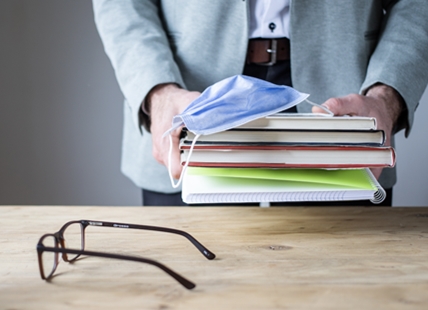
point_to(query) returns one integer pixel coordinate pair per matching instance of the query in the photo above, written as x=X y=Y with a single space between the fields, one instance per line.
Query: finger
x=347 y=105
x=335 y=105
x=175 y=158
x=376 y=172
x=160 y=146
x=317 y=109
x=176 y=167
x=339 y=106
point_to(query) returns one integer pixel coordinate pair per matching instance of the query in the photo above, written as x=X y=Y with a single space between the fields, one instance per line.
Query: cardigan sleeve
x=400 y=58
x=138 y=47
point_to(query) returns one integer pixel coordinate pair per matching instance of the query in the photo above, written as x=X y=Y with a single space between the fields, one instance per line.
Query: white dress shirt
x=269 y=18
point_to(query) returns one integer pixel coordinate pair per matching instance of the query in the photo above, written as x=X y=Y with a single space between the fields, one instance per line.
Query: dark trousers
x=280 y=74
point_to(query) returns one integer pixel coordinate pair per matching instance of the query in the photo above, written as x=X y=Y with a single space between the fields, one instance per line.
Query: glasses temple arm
x=183 y=281
x=207 y=253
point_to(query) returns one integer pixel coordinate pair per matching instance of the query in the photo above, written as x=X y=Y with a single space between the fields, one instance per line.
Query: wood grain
x=267 y=258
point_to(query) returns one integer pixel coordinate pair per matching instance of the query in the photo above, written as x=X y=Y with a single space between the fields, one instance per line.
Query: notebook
x=240 y=185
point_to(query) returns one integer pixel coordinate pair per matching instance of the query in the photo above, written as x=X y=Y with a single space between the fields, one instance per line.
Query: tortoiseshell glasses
x=70 y=242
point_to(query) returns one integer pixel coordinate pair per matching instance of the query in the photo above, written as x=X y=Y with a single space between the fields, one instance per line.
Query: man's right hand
x=164 y=102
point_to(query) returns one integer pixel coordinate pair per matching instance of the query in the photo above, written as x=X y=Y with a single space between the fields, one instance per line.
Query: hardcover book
x=312 y=121
x=274 y=156
x=290 y=137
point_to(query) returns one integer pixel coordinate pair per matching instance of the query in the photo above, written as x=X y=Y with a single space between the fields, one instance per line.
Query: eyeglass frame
x=60 y=248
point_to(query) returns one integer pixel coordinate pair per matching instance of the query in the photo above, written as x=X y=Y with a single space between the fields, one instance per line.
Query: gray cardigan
x=337 y=48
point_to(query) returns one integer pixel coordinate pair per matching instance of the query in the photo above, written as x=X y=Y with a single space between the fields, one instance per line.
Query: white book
x=273 y=156
x=291 y=137
x=312 y=121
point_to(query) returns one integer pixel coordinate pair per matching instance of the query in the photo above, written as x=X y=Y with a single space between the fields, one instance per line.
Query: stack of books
x=286 y=157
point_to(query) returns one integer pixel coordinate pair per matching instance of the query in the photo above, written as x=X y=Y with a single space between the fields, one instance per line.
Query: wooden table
x=267 y=258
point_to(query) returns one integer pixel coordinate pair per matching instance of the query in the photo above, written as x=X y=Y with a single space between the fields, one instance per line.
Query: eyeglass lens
x=73 y=239
x=49 y=259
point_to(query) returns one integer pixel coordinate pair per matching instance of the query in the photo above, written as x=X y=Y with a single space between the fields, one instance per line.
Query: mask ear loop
x=175 y=185
x=320 y=106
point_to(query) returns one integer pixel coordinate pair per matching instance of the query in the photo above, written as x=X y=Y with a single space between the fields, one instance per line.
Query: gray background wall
x=61 y=114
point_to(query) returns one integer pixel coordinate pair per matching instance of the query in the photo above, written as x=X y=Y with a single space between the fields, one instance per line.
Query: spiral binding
x=380 y=194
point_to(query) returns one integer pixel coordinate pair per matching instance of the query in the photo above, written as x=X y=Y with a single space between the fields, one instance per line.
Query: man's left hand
x=381 y=101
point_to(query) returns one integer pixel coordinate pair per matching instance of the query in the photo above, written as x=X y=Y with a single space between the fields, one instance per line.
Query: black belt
x=268 y=51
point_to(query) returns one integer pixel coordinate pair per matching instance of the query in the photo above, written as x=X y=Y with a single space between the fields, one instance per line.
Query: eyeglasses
x=70 y=242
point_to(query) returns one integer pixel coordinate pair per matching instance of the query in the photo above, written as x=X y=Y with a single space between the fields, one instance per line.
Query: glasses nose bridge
x=82 y=223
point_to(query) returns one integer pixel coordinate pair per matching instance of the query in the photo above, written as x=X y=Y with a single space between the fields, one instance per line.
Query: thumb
x=335 y=105
x=176 y=166
x=340 y=106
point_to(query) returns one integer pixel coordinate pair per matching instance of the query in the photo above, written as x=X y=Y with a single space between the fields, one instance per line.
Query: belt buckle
x=272 y=51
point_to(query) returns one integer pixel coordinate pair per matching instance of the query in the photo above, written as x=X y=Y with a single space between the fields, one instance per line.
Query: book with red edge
x=290 y=156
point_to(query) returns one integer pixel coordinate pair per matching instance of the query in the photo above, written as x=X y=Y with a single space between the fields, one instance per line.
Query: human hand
x=381 y=101
x=164 y=102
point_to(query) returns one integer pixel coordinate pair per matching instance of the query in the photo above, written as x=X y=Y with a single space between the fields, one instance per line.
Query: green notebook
x=239 y=185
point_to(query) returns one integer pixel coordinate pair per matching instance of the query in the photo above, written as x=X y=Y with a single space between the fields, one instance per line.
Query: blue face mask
x=230 y=103
x=233 y=102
